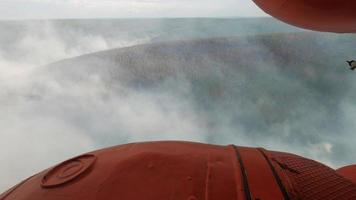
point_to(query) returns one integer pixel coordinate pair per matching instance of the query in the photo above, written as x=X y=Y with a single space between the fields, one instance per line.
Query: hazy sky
x=34 y=9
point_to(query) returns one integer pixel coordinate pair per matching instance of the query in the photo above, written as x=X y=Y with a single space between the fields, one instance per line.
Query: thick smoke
x=32 y=139
x=216 y=81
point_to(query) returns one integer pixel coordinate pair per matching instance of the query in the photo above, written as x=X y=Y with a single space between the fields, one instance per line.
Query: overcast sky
x=44 y=9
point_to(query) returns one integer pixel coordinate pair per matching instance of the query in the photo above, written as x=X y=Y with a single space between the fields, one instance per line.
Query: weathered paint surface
x=186 y=171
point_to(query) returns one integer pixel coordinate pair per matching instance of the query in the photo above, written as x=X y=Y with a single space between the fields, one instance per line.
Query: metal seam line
x=279 y=181
x=244 y=175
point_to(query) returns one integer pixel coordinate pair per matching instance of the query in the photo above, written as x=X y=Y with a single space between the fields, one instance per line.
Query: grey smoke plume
x=178 y=80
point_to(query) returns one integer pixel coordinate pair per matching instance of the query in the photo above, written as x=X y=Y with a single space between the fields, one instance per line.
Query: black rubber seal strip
x=244 y=175
x=279 y=181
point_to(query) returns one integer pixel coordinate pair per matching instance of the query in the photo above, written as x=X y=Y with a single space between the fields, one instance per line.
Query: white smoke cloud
x=51 y=113
x=14 y=9
x=34 y=133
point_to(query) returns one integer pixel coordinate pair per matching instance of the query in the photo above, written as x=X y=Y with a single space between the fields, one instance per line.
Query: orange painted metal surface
x=185 y=171
x=257 y=170
x=321 y=15
x=348 y=172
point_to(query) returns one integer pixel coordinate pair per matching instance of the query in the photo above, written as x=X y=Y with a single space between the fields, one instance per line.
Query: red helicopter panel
x=186 y=171
x=320 y=15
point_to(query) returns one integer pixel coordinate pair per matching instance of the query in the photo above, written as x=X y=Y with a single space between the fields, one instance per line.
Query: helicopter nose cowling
x=320 y=15
x=186 y=171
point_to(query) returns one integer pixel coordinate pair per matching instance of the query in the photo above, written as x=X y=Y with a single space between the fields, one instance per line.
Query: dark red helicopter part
x=348 y=172
x=186 y=171
x=320 y=15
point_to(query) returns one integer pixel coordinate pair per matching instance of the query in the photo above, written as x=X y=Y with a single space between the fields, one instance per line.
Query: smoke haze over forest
x=72 y=86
